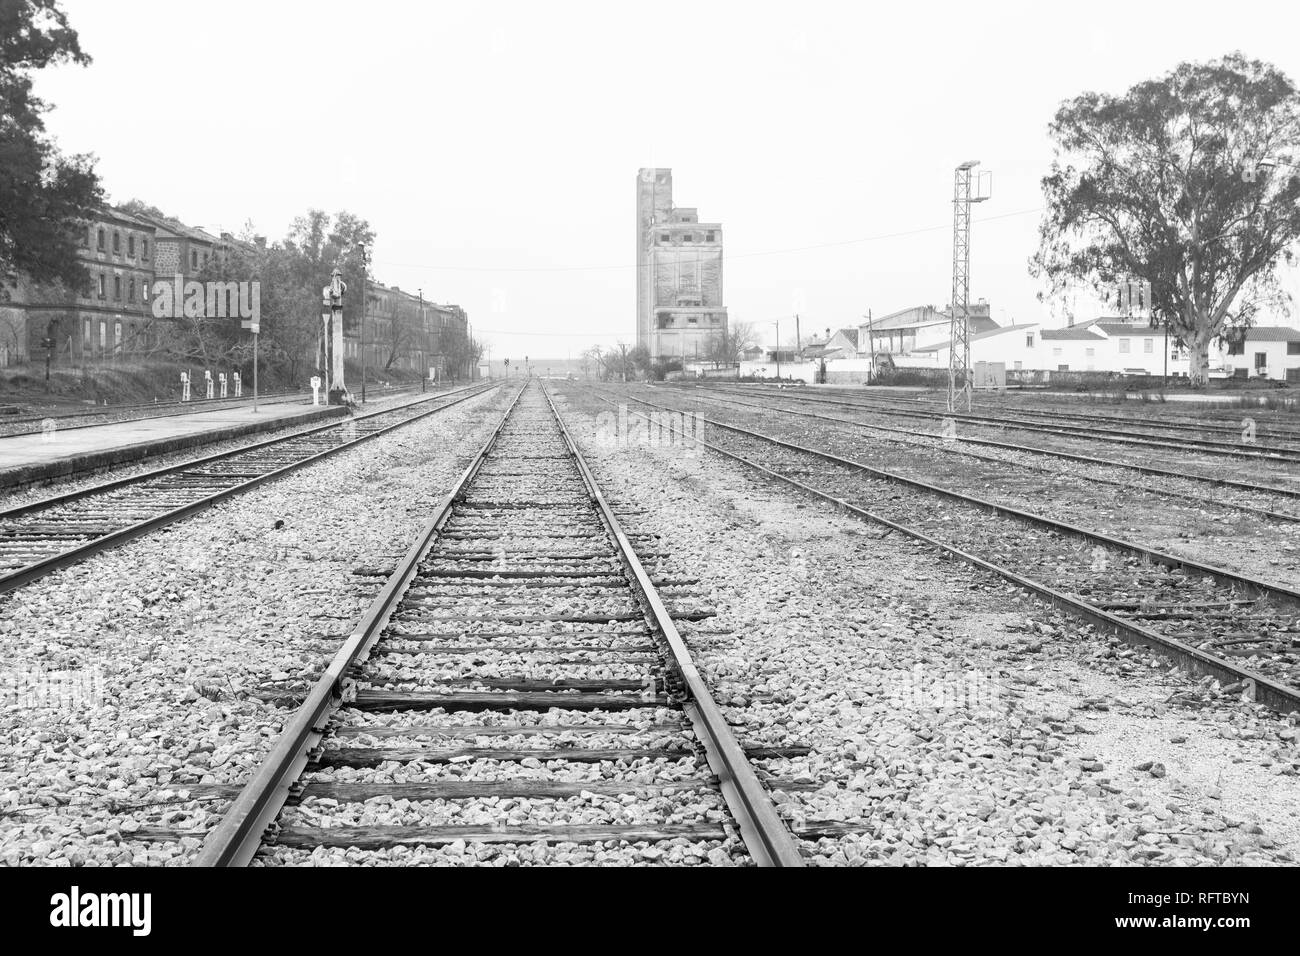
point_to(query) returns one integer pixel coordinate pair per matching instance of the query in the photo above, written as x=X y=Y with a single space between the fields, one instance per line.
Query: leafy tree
x=1187 y=181
x=138 y=207
x=43 y=194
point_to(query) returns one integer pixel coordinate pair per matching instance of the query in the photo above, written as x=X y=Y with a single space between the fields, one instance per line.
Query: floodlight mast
x=959 y=368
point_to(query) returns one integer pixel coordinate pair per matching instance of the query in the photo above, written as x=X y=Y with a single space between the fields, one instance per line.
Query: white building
x=1267 y=351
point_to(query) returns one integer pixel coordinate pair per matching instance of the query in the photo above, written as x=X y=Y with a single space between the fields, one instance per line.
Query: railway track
x=13 y=427
x=42 y=536
x=519 y=678
x=1261 y=500
x=1225 y=424
x=1243 y=631
x=1133 y=435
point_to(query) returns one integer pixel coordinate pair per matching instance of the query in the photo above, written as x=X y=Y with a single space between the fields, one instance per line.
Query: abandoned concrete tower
x=679 y=273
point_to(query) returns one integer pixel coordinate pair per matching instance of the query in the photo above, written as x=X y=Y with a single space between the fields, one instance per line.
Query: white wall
x=1276 y=357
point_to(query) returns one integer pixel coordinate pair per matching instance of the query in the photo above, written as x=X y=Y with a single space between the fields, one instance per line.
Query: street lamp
x=365 y=267
x=332 y=299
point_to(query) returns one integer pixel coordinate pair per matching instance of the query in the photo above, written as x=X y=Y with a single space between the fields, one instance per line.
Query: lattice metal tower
x=959 y=370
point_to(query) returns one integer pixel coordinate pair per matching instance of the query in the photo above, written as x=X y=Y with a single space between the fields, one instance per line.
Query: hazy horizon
x=500 y=145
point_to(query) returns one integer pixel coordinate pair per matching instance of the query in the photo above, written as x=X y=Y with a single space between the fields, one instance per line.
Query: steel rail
x=234 y=841
x=1282 y=697
x=66 y=497
x=1171 y=423
x=1267 y=453
x=766 y=837
x=1220 y=575
x=31 y=572
x=190 y=408
x=950 y=450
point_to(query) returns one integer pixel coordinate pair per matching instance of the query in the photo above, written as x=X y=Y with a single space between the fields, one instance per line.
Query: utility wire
x=729 y=257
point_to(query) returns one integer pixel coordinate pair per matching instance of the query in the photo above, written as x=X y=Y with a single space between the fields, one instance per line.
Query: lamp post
x=332 y=298
x=365 y=267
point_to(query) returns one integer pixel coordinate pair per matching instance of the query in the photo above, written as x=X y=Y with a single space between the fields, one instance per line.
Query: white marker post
x=185 y=386
x=207 y=378
x=315 y=389
x=221 y=377
x=239 y=386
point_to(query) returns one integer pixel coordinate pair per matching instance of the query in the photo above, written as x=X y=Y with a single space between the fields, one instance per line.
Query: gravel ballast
x=143 y=669
x=952 y=719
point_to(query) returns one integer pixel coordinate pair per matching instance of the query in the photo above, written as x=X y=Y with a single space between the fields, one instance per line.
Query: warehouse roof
x=997 y=330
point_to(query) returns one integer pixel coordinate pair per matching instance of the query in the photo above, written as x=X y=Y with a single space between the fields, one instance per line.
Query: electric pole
x=959 y=370
x=778 y=349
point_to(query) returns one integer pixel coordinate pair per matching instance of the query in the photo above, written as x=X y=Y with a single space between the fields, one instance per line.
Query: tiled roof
x=1272 y=333
x=1124 y=329
x=1076 y=333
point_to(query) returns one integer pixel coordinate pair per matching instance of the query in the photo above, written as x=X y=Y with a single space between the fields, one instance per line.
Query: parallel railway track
x=42 y=536
x=1226 y=422
x=1206 y=618
x=1133 y=435
x=18 y=426
x=519 y=678
x=1262 y=500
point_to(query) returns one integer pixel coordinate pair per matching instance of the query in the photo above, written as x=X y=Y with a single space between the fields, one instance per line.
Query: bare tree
x=725 y=346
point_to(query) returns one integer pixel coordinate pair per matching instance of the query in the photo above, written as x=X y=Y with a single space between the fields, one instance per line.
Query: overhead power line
x=730 y=257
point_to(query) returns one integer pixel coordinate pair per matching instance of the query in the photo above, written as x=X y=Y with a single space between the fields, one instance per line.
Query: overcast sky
x=500 y=144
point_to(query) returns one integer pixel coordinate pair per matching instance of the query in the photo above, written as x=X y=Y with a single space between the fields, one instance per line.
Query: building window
x=117 y=241
x=663 y=237
x=1293 y=348
x=144 y=292
x=130 y=245
x=709 y=237
x=99 y=240
x=194 y=259
x=1019 y=366
x=1293 y=375
x=1062 y=368
x=86 y=341
x=117 y=336
x=144 y=248
x=686 y=237
x=101 y=285
x=85 y=240
x=1148 y=346
x=1029 y=340
x=103 y=335
x=692 y=320
x=130 y=290
x=1236 y=348
x=117 y=288
x=1261 y=360
x=1123 y=347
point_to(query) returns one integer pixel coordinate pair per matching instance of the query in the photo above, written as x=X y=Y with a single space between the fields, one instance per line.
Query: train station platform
x=27 y=459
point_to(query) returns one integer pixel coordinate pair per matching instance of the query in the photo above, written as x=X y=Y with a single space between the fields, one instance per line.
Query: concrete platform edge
x=66 y=467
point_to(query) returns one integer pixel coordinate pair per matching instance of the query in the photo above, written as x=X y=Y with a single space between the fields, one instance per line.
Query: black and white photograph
x=690 y=435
